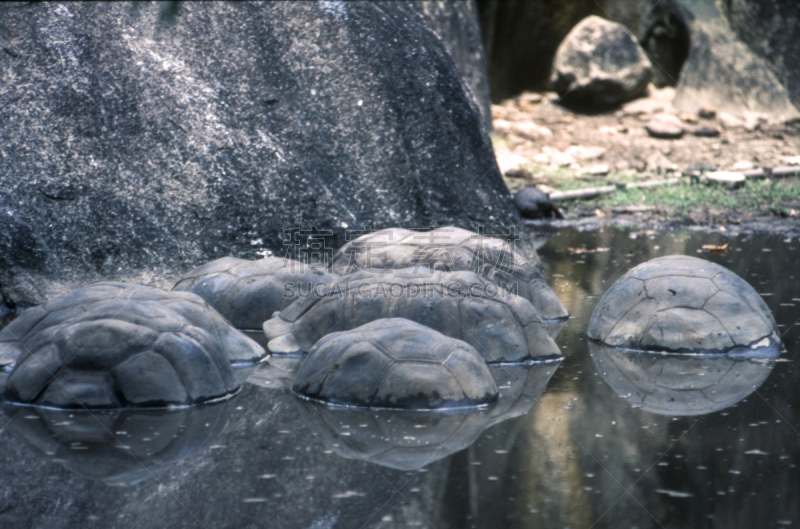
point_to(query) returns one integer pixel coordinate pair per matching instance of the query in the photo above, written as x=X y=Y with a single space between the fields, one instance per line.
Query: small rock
x=530 y=97
x=596 y=170
x=665 y=126
x=729 y=179
x=706 y=113
x=791 y=160
x=600 y=64
x=556 y=157
x=530 y=130
x=533 y=204
x=688 y=117
x=666 y=94
x=743 y=165
x=706 y=132
x=579 y=152
x=508 y=161
x=541 y=158
x=728 y=121
x=644 y=106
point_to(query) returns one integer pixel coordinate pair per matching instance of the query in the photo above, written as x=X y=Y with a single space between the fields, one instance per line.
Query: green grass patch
x=760 y=196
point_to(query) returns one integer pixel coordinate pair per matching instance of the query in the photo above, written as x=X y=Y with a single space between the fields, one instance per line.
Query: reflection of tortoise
x=399 y=439
x=678 y=383
x=247 y=293
x=680 y=303
x=115 y=345
x=395 y=363
x=120 y=447
x=519 y=388
x=454 y=249
x=503 y=327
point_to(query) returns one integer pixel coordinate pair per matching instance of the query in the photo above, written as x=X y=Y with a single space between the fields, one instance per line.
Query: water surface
x=582 y=456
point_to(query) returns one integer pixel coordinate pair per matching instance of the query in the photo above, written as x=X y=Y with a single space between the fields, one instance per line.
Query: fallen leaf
x=715 y=248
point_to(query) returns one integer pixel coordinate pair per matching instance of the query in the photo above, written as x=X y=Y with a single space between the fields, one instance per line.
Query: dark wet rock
x=121 y=447
x=706 y=132
x=248 y=293
x=133 y=151
x=113 y=345
x=665 y=37
x=680 y=384
x=685 y=304
x=503 y=327
x=399 y=439
x=533 y=204
x=600 y=65
x=395 y=363
x=665 y=126
x=456 y=23
x=454 y=249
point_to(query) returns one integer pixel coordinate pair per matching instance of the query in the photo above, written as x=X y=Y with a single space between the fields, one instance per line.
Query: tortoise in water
x=679 y=383
x=395 y=363
x=114 y=345
x=454 y=249
x=248 y=293
x=503 y=327
x=120 y=447
x=685 y=304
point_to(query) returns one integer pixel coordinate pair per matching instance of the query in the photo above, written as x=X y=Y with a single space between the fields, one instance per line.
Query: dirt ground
x=534 y=127
x=538 y=142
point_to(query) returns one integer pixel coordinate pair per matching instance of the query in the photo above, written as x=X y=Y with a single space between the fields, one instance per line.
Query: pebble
x=729 y=179
x=665 y=126
x=706 y=132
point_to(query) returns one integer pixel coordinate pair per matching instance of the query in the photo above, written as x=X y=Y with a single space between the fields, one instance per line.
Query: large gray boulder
x=599 y=65
x=136 y=150
x=756 y=75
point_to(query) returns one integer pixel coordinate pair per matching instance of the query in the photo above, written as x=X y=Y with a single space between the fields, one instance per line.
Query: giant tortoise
x=685 y=304
x=395 y=363
x=503 y=327
x=247 y=293
x=114 y=345
x=455 y=249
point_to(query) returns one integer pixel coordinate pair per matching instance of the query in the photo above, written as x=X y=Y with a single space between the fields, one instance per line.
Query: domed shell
x=395 y=363
x=248 y=293
x=114 y=345
x=503 y=327
x=679 y=383
x=680 y=303
x=454 y=249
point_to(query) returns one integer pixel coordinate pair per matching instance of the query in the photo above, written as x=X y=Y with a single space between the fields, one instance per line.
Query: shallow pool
x=568 y=452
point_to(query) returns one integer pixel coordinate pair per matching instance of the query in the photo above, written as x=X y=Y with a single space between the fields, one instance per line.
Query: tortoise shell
x=503 y=327
x=681 y=303
x=395 y=363
x=454 y=249
x=114 y=345
x=248 y=293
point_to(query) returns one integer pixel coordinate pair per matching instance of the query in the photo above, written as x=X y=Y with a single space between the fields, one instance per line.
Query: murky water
x=570 y=452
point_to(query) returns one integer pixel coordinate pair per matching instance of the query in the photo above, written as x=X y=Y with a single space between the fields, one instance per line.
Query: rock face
x=456 y=23
x=135 y=150
x=727 y=74
x=395 y=363
x=599 y=65
x=113 y=345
